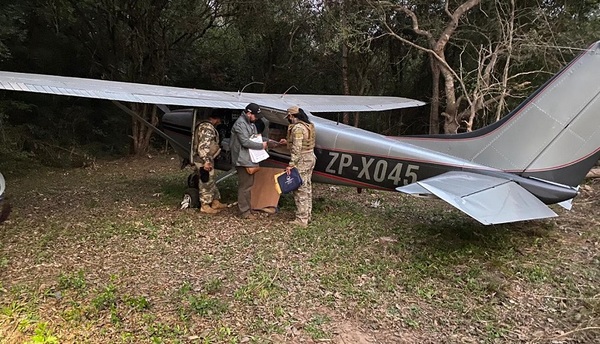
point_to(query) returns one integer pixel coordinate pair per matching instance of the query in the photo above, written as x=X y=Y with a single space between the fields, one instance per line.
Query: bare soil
x=104 y=254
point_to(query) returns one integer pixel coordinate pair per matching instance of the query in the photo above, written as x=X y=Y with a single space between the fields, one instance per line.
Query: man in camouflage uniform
x=301 y=142
x=207 y=149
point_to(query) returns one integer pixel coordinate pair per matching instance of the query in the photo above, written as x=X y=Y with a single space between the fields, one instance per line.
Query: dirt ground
x=104 y=254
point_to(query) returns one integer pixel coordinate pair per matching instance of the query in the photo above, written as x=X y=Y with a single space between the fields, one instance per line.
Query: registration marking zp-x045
x=370 y=169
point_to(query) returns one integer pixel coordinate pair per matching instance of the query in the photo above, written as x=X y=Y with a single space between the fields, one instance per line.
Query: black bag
x=285 y=183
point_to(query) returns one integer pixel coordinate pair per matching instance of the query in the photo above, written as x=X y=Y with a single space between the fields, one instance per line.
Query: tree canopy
x=471 y=60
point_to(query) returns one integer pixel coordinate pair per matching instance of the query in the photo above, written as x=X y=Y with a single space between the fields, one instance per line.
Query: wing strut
x=226 y=175
x=143 y=120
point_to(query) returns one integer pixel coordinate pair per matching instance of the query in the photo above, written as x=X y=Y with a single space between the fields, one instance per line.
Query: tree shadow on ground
x=451 y=238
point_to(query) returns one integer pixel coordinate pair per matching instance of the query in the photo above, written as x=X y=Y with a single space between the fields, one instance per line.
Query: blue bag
x=286 y=184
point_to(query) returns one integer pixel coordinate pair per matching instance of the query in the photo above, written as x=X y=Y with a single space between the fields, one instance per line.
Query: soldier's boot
x=299 y=223
x=216 y=204
x=205 y=208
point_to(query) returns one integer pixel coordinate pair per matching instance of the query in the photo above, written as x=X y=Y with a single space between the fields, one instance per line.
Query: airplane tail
x=553 y=135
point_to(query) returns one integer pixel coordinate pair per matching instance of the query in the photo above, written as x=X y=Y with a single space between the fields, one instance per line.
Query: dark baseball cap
x=254 y=109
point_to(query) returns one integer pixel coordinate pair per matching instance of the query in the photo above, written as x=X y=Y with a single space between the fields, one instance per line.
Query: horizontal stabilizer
x=414 y=189
x=489 y=200
x=568 y=204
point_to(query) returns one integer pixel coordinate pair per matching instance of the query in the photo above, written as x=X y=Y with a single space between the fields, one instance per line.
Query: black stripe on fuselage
x=366 y=170
x=571 y=174
x=378 y=172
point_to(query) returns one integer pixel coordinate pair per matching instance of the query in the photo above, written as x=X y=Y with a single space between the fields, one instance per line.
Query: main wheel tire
x=192 y=180
x=191 y=199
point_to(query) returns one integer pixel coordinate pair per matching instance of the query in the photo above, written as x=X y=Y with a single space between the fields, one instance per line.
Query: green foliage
x=260 y=285
x=107 y=298
x=12 y=28
x=72 y=281
x=206 y=306
x=201 y=304
x=228 y=44
x=43 y=335
x=138 y=302
x=59 y=134
x=314 y=327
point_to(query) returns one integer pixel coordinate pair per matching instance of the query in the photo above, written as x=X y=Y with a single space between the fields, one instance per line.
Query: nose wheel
x=191 y=199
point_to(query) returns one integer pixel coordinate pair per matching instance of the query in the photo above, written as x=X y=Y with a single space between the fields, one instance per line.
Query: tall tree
x=349 y=32
x=435 y=47
x=12 y=28
x=135 y=40
x=480 y=54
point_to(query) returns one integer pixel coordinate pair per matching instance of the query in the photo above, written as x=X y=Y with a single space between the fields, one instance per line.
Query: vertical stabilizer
x=553 y=135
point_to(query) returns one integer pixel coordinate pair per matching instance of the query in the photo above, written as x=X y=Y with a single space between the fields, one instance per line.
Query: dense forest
x=471 y=61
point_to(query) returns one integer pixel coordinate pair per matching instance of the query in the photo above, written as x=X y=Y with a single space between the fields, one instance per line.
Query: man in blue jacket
x=241 y=133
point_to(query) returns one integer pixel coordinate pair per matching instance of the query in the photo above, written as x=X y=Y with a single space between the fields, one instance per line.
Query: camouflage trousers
x=208 y=191
x=303 y=196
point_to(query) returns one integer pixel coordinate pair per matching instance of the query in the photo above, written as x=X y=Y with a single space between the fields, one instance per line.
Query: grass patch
x=74 y=281
x=116 y=261
x=315 y=326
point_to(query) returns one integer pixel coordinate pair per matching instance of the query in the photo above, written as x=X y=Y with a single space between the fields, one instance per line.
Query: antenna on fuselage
x=252 y=83
x=289 y=88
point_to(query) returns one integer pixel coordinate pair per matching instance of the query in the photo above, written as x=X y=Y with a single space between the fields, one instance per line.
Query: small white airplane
x=508 y=171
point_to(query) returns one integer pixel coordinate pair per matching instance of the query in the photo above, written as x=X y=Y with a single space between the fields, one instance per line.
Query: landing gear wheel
x=191 y=199
x=192 y=180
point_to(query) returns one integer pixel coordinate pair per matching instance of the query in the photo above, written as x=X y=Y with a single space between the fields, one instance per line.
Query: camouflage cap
x=293 y=110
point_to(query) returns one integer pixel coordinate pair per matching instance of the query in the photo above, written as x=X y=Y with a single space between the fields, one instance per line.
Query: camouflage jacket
x=301 y=139
x=207 y=143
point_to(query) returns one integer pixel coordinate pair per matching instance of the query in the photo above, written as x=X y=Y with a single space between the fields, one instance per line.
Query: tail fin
x=553 y=135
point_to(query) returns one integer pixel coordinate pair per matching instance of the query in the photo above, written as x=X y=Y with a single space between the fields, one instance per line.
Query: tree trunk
x=345 y=82
x=434 y=115
x=141 y=133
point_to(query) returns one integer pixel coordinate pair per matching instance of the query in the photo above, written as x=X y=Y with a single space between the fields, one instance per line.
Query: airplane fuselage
x=379 y=162
x=354 y=157
x=375 y=161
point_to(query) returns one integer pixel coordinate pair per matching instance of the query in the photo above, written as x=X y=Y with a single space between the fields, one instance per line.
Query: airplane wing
x=489 y=200
x=166 y=95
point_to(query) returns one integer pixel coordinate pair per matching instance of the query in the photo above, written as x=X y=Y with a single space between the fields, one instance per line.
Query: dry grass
x=103 y=255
